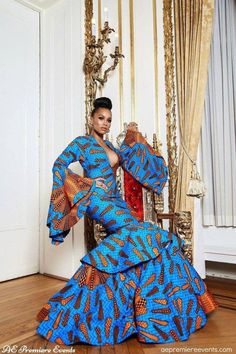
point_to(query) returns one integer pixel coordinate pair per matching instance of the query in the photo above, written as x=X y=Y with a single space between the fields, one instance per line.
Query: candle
x=105 y=14
x=93 y=26
x=116 y=39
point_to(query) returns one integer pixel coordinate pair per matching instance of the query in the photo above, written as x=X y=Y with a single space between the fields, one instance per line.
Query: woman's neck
x=97 y=136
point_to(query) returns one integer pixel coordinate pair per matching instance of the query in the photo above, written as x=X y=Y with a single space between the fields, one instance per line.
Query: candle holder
x=95 y=59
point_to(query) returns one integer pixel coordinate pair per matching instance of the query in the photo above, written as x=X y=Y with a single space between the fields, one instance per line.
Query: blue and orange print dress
x=137 y=281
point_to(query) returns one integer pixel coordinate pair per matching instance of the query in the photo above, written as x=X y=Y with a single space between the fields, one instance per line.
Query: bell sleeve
x=145 y=164
x=70 y=193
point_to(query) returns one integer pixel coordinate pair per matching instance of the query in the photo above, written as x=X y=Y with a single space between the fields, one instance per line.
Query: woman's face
x=101 y=120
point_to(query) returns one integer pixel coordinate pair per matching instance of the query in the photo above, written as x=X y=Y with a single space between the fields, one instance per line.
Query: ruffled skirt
x=137 y=281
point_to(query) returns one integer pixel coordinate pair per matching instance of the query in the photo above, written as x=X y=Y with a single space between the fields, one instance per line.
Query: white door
x=19 y=140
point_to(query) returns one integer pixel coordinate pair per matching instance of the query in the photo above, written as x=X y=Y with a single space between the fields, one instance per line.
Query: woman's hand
x=100 y=183
x=132 y=126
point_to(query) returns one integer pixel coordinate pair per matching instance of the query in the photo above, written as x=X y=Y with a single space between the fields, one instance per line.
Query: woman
x=137 y=281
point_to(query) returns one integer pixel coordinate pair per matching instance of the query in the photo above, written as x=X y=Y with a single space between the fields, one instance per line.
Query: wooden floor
x=22 y=298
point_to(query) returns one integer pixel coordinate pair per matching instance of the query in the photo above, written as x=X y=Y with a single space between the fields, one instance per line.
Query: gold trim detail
x=183 y=228
x=155 y=40
x=99 y=16
x=170 y=101
x=132 y=71
x=87 y=36
x=99 y=31
x=182 y=220
x=121 y=93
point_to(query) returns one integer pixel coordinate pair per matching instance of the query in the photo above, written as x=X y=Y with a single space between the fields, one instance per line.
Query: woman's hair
x=101 y=102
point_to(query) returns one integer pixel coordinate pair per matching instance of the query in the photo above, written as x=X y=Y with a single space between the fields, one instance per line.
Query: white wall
x=132 y=87
x=219 y=246
x=62 y=119
x=19 y=140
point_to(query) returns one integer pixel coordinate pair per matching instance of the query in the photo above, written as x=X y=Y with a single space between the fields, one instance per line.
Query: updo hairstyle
x=101 y=102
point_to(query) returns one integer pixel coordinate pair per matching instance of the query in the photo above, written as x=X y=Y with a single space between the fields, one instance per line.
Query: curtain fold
x=193 y=31
x=218 y=136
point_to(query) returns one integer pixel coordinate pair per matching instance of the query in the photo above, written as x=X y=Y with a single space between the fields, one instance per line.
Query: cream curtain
x=218 y=130
x=193 y=31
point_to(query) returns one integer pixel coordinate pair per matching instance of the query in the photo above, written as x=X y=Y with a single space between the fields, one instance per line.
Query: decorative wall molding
x=170 y=100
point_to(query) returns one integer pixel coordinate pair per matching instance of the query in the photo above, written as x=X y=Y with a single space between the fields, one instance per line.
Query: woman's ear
x=90 y=121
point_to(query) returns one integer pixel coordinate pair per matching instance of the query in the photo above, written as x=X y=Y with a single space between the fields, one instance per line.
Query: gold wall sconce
x=95 y=59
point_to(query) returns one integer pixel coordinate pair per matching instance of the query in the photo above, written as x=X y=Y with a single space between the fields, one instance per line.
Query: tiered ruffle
x=129 y=286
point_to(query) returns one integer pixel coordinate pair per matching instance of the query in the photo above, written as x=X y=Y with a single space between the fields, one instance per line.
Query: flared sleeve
x=143 y=162
x=70 y=193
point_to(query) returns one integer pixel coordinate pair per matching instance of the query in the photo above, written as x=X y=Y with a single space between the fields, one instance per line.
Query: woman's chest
x=97 y=155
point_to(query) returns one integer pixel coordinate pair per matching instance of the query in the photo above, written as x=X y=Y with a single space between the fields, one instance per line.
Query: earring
x=90 y=124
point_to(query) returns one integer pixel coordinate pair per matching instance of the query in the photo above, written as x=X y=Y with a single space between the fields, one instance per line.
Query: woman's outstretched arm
x=70 y=192
x=142 y=161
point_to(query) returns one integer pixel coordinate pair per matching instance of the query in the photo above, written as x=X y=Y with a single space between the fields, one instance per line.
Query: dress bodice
x=112 y=156
x=102 y=161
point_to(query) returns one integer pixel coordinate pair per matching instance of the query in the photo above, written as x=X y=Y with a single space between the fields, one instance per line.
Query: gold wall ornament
x=170 y=101
x=183 y=227
x=149 y=213
x=158 y=199
x=157 y=144
x=95 y=59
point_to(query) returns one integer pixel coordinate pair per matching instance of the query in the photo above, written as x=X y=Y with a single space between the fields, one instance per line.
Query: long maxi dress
x=136 y=281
